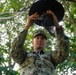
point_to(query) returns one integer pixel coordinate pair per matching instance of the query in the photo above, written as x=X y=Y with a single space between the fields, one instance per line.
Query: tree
x=13 y=16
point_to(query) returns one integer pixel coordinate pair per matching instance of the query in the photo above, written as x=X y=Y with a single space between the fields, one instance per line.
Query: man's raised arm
x=62 y=47
x=18 y=53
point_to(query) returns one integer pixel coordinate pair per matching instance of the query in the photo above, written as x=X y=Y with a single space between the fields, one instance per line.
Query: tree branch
x=8 y=18
x=17 y=13
x=20 y=12
x=72 y=1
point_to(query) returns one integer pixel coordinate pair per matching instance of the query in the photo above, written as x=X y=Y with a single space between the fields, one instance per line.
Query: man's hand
x=31 y=20
x=54 y=18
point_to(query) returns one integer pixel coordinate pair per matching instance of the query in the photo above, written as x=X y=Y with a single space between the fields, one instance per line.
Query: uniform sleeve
x=18 y=53
x=62 y=47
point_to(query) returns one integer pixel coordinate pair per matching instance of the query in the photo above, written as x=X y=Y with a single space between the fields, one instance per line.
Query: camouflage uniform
x=41 y=63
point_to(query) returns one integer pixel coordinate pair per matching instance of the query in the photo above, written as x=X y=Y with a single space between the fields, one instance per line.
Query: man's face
x=39 y=42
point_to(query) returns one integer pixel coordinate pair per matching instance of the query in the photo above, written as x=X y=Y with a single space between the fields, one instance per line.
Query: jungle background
x=13 y=17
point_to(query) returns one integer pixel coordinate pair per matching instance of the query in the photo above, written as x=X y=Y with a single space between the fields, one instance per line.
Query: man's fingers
x=36 y=14
x=54 y=17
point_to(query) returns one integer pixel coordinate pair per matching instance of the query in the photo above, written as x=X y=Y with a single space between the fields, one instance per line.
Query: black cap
x=40 y=32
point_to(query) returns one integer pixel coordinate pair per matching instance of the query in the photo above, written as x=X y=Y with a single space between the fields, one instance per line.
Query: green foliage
x=12 y=22
x=1 y=7
x=5 y=70
x=16 y=4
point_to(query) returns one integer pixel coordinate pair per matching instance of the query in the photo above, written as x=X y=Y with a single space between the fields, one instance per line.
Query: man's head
x=40 y=32
x=39 y=40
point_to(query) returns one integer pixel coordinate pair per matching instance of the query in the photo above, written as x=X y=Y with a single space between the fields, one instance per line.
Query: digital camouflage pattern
x=32 y=63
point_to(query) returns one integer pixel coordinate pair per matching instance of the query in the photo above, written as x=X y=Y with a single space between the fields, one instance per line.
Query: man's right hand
x=31 y=20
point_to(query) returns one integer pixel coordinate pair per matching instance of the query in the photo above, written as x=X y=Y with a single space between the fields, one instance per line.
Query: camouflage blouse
x=32 y=63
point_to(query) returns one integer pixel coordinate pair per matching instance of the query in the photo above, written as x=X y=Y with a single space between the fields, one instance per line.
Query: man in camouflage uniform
x=39 y=62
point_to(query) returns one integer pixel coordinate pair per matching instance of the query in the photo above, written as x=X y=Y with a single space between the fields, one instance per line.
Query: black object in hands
x=46 y=20
x=48 y=23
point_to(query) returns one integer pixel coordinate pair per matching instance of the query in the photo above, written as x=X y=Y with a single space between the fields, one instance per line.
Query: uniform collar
x=39 y=52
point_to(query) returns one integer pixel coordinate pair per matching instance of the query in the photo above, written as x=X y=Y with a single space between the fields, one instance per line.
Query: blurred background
x=13 y=17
